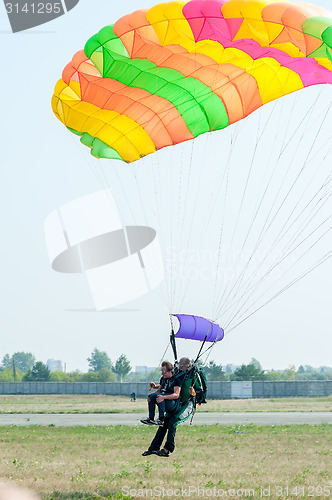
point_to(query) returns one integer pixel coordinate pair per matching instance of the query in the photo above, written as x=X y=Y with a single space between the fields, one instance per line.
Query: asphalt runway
x=201 y=418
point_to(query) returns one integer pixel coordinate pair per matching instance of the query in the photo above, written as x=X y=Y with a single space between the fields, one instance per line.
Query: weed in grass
x=325 y=475
x=178 y=466
x=257 y=490
x=123 y=473
x=78 y=476
x=17 y=462
x=148 y=467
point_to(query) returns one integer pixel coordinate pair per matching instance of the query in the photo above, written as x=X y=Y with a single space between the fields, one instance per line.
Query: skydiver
x=169 y=421
x=166 y=396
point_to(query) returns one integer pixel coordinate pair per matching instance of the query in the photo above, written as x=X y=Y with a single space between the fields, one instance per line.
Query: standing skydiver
x=168 y=426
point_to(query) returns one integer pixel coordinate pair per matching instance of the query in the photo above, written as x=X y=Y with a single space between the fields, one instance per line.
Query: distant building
x=54 y=365
x=230 y=368
x=144 y=370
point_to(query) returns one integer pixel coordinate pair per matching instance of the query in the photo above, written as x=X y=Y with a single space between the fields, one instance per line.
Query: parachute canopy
x=163 y=76
x=197 y=328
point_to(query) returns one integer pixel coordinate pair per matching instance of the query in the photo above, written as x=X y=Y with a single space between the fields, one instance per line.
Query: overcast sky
x=43 y=166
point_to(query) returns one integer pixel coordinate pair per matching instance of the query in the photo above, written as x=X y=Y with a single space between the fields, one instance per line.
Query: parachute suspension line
x=213 y=201
x=98 y=173
x=125 y=196
x=208 y=350
x=286 y=254
x=248 y=177
x=156 y=173
x=160 y=289
x=133 y=173
x=238 y=280
x=171 y=212
x=214 y=197
x=129 y=205
x=252 y=289
x=318 y=205
x=221 y=232
x=289 y=167
x=178 y=229
x=267 y=291
x=313 y=268
x=171 y=321
x=105 y=184
x=293 y=211
x=91 y=164
x=181 y=225
x=309 y=113
x=180 y=239
x=258 y=138
x=163 y=356
x=193 y=212
x=306 y=163
x=201 y=348
x=287 y=251
x=154 y=159
x=259 y=205
x=223 y=304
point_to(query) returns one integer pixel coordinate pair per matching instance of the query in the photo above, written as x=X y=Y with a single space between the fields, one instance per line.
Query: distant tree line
x=254 y=371
x=22 y=366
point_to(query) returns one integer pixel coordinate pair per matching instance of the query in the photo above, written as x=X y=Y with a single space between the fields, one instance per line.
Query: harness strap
x=173 y=344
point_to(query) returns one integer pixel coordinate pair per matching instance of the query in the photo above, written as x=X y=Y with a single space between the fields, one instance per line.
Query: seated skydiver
x=166 y=396
x=169 y=420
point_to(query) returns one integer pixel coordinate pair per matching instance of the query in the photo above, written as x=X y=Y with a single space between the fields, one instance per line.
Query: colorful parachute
x=162 y=76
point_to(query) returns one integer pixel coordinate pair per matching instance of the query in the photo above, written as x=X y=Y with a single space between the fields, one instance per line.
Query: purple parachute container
x=197 y=328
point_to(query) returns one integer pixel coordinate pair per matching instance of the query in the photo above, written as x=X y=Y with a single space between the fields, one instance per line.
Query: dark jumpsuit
x=169 y=421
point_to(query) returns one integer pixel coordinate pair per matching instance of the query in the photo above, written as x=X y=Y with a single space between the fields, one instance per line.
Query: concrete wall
x=291 y=389
x=216 y=390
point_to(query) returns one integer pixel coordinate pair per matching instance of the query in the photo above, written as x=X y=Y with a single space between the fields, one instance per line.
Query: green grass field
x=106 y=462
x=117 y=404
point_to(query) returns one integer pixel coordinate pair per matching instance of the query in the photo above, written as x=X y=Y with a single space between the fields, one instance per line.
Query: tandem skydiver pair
x=169 y=392
x=166 y=396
